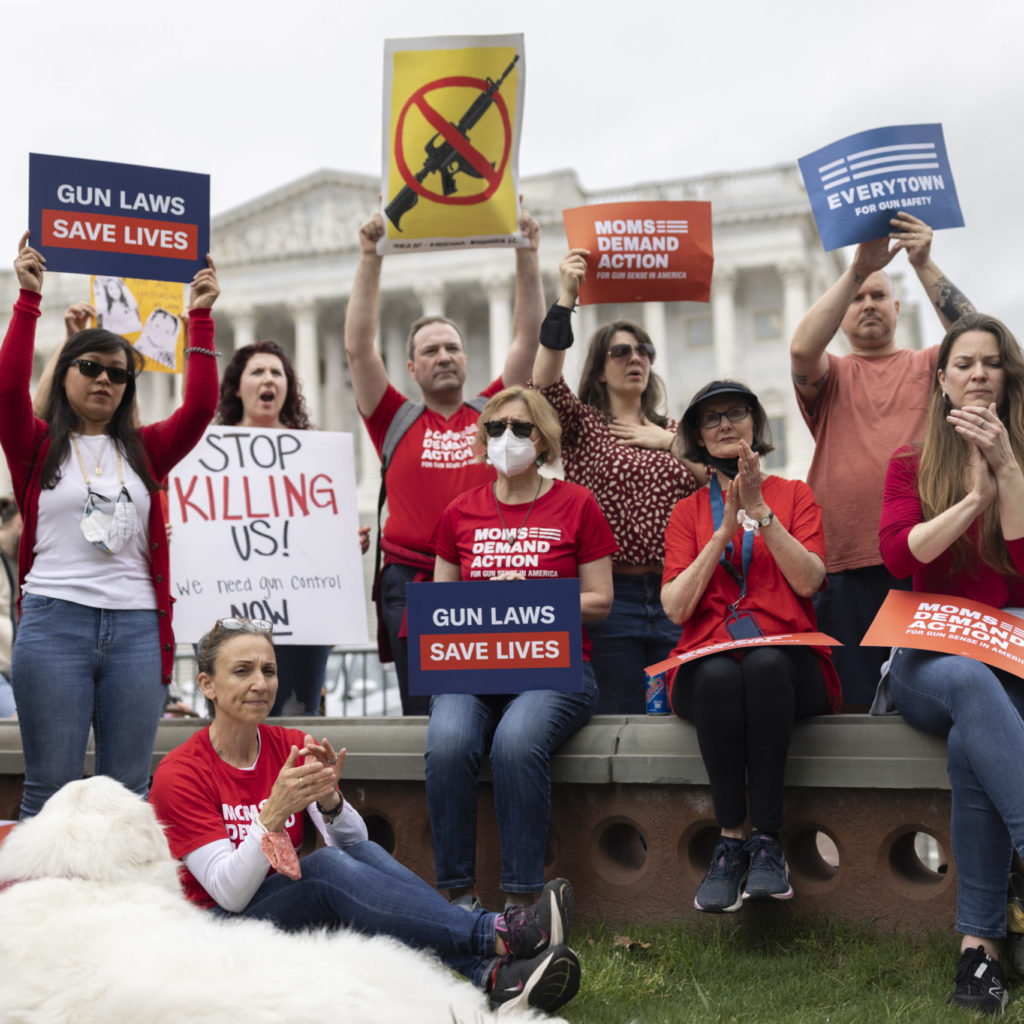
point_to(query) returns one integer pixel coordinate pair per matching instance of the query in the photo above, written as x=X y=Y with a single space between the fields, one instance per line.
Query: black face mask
x=730 y=467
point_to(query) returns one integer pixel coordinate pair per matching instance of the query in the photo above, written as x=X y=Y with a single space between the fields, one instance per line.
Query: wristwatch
x=766 y=520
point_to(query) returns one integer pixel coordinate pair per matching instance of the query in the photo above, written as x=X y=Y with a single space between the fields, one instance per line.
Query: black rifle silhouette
x=443 y=157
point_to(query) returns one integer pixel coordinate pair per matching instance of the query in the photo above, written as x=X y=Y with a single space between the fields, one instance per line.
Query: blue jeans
x=300 y=670
x=521 y=731
x=365 y=888
x=72 y=667
x=393 y=578
x=979 y=711
x=637 y=633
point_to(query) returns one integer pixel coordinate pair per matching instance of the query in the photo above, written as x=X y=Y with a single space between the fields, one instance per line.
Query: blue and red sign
x=490 y=636
x=122 y=220
x=858 y=184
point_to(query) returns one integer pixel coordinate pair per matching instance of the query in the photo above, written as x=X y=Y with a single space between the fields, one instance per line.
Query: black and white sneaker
x=544 y=982
x=980 y=982
x=527 y=931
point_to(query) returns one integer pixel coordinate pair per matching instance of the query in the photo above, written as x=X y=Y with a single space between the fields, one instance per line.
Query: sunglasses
x=244 y=625
x=625 y=351
x=87 y=368
x=520 y=428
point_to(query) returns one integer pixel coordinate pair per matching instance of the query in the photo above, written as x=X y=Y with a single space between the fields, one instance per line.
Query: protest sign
x=264 y=526
x=146 y=313
x=494 y=636
x=452 y=116
x=643 y=252
x=118 y=220
x=779 y=640
x=949 y=625
x=858 y=184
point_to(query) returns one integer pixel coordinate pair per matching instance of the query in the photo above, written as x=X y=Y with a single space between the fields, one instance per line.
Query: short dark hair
x=689 y=424
x=63 y=420
x=294 y=414
x=425 y=321
x=594 y=391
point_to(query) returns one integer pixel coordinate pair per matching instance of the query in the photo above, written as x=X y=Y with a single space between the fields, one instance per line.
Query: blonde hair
x=543 y=415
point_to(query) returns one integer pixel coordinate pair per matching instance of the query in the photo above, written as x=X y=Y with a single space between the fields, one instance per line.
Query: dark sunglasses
x=87 y=368
x=520 y=428
x=625 y=351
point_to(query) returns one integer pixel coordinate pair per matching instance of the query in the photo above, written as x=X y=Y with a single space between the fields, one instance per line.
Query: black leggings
x=744 y=708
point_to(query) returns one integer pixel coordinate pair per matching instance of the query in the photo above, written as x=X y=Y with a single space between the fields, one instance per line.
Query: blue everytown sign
x=122 y=220
x=488 y=636
x=858 y=184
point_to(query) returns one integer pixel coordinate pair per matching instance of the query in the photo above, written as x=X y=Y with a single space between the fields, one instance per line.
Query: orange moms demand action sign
x=950 y=625
x=643 y=252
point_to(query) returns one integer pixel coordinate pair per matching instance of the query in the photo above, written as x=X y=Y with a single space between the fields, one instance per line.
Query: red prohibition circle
x=462 y=145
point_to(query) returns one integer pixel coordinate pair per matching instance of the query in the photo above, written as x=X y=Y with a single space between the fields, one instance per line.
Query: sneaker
x=467 y=901
x=719 y=893
x=768 y=875
x=980 y=982
x=527 y=931
x=544 y=982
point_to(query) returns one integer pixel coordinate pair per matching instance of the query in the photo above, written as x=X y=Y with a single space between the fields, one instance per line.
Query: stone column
x=244 y=323
x=794 y=305
x=307 y=358
x=723 y=320
x=499 y=310
x=431 y=297
x=656 y=325
x=335 y=411
x=794 y=297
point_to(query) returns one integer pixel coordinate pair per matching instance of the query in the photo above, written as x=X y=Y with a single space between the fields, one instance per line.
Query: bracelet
x=205 y=351
x=327 y=815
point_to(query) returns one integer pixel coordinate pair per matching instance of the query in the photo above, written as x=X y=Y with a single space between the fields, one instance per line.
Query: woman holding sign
x=520 y=431
x=261 y=389
x=617 y=441
x=743 y=557
x=953 y=516
x=94 y=640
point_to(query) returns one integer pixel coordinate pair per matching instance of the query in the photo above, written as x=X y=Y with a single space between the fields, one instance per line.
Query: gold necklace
x=98 y=470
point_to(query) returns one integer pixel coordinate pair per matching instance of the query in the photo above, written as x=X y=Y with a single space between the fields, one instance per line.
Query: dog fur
x=95 y=928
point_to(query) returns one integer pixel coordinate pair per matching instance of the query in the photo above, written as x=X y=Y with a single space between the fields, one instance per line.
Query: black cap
x=719 y=387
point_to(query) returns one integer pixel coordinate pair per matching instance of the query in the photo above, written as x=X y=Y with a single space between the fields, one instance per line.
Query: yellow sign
x=149 y=314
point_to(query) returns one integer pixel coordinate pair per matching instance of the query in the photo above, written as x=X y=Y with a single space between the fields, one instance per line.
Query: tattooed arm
x=916 y=237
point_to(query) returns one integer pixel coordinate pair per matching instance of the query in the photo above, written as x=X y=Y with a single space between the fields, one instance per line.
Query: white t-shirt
x=67 y=566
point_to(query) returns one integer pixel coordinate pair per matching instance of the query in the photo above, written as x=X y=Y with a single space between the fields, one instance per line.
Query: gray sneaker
x=719 y=892
x=768 y=874
x=467 y=901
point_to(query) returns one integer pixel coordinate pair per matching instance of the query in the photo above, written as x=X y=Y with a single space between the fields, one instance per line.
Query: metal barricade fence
x=356 y=683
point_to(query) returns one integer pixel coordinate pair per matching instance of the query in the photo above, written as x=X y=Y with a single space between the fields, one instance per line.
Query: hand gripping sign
x=858 y=184
x=494 y=636
x=643 y=252
x=118 y=220
x=451 y=142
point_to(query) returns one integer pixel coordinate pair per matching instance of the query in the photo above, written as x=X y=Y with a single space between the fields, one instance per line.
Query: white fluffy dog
x=95 y=928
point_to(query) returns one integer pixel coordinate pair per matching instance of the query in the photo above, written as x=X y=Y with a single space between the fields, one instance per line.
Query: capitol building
x=286 y=261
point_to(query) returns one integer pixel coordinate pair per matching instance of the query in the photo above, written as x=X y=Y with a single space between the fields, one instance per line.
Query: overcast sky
x=258 y=94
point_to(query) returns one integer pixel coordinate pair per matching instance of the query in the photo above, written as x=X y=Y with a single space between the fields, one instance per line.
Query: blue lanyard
x=717 y=514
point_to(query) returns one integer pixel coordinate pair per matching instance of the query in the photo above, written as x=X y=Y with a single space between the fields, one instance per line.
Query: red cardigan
x=25 y=440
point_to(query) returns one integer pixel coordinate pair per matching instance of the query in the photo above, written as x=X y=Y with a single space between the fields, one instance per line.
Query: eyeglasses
x=520 y=428
x=625 y=351
x=737 y=414
x=87 y=368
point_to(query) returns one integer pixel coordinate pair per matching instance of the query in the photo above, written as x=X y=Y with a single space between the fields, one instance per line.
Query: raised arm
x=807 y=356
x=528 y=307
x=915 y=236
x=547 y=366
x=369 y=376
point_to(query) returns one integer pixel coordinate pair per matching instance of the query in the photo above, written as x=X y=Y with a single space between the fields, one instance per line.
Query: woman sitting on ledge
x=730 y=583
x=237 y=794
x=953 y=515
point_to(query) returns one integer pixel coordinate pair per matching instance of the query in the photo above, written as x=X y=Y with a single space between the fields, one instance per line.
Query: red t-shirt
x=563 y=530
x=435 y=460
x=200 y=798
x=775 y=605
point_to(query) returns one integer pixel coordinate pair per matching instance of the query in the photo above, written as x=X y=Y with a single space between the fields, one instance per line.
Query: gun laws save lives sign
x=265 y=526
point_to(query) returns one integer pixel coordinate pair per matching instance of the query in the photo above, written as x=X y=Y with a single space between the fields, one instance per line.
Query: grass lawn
x=763 y=965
